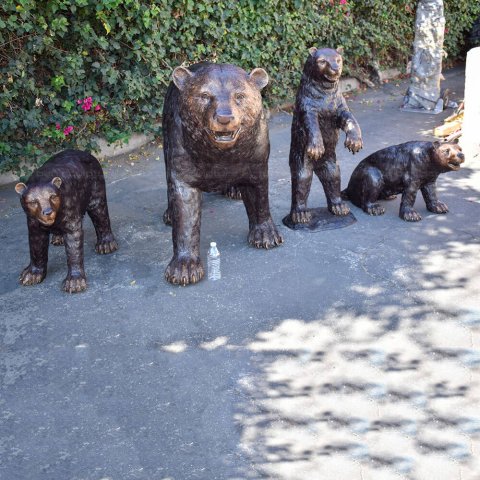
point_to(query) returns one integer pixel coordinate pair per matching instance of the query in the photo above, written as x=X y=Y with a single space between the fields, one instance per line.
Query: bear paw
x=264 y=235
x=339 y=209
x=167 y=217
x=410 y=215
x=57 y=240
x=184 y=270
x=353 y=143
x=106 y=245
x=300 y=216
x=315 y=151
x=74 y=283
x=232 y=192
x=438 y=207
x=32 y=275
x=374 y=209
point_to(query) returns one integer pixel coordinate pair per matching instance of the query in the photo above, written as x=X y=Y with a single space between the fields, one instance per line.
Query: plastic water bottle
x=213 y=262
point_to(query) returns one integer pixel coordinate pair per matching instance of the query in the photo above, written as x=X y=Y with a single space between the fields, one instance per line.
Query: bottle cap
x=213 y=244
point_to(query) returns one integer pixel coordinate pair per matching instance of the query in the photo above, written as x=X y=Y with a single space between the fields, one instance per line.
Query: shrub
x=71 y=70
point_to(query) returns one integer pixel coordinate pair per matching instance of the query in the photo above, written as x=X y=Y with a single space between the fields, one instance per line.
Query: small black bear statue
x=403 y=169
x=320 y=113
x=55 y=199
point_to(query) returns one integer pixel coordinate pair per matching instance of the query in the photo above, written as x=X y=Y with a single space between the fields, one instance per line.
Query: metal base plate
x=322 y=219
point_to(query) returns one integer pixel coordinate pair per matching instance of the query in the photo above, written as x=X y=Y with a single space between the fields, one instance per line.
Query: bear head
x=324 y=65
x=41 y=201
x=219 y=103
x=448 y=156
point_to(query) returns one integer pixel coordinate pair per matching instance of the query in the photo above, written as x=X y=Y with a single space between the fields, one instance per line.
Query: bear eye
x=447 y=151
x=322 y=61
x=53 y=196
x=239 y=96
x=205 y=96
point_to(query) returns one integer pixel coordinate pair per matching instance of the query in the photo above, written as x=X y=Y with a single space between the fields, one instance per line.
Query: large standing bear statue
x=215 y=136
x=320 y=112
x=55 y=199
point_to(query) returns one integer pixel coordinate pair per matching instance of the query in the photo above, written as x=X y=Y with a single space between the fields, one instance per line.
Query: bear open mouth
x=454 y=164
x=224 y=136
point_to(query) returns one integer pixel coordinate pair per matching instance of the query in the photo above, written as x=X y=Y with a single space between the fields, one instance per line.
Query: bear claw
x=106 y=246
x=232 y=192
x=339 y=209
x=184 y=271
x=374 y=209
x=264 y=235
x=438 y=207
x=74 y=284
x=410 y=215
x=32 y=276
x=300 y=216
x=57 y=240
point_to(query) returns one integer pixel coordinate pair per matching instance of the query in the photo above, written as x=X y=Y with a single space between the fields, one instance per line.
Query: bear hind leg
x=106 y=242
x=371 y=191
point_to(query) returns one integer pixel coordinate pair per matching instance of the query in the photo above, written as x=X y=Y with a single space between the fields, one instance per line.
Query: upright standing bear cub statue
x=215 y=136
x=403 y=169
x=320 y=113
x=55 y=199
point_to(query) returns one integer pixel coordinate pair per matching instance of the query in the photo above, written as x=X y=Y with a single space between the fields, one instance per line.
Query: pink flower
x=79 y=101
x=57 y=126
x=68 y=130
x=343 y=2
x=87 y=104
x=97 y=107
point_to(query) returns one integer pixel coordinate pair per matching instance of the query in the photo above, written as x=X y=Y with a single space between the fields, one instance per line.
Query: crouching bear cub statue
x=403 y=169
x=55 y=199
x=215 y=136
x=320 y=113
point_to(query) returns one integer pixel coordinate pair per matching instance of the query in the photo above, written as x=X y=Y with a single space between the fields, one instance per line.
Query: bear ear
x=340 y=50
x=436 y=144
x=312 y=51
x=259 y=77
x=57 y=182
x=180 y=76
x=20 y=188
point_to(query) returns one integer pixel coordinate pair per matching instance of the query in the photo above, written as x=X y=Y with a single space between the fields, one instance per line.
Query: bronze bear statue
x=215 y=137
x=319 y=115
x=55 y=199
x=403 y=169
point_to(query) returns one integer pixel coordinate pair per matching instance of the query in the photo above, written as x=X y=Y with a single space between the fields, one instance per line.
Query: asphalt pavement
x=346 y=354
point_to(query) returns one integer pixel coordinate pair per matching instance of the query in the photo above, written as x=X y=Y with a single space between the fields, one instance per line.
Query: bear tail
x=344 y=194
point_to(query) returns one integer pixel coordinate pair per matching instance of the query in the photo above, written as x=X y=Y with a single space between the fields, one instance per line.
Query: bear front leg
x=434 y=205
x=38 y=243
x=185 y=267
x=262 y=231
x=407 y=212
x=75 y=281
x=301 y=175
x=315 y=148
x=328 y=173
x=349 y=124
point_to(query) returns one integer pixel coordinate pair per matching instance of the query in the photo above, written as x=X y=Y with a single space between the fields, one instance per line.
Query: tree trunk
x=423 y=93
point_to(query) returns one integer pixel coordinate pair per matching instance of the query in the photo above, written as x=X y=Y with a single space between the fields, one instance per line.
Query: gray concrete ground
x=346 y=354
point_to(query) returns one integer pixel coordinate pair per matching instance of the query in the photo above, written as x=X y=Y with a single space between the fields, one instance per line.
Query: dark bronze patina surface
x=320 y=113
x=55 y=199
x=403 y=169
x=216 y=138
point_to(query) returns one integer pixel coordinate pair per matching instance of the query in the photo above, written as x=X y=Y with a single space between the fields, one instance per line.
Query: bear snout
x=224 y=118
